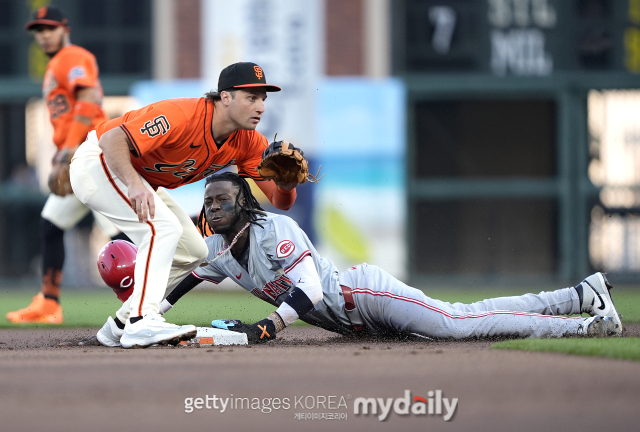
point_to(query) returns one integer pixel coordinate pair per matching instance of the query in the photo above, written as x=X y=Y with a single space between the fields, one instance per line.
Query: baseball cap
x=48 y=15
x=242 y=75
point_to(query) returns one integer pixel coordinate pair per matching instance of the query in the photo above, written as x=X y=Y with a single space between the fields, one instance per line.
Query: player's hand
x=59 y=180
x=64 y=155
x=285 y=164
x=286 y=185
x=260 y=332
x=142 y=201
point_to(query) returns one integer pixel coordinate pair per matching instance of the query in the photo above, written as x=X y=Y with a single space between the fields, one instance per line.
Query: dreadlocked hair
x=251 y=209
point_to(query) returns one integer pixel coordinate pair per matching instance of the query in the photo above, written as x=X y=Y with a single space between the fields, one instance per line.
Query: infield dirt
x=45 y=386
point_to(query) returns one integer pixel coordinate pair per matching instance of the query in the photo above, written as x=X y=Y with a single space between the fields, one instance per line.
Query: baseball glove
x=260 y=332
x=59 y=181
x=284 y=163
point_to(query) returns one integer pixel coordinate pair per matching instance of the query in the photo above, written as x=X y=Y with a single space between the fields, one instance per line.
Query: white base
x=219 y=336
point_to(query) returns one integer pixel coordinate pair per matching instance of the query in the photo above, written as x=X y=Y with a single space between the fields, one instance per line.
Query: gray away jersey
x=274 y=251
x=384 y=304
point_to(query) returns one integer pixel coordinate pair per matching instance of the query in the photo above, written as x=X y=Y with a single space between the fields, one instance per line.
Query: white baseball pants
x=66 y=212
x=169 y=246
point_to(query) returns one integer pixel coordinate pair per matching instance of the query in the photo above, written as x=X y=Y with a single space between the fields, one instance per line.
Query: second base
x=214 y=336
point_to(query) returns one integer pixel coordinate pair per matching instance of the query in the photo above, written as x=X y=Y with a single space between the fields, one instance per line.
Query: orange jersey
x=72 y=67
x=173 y=143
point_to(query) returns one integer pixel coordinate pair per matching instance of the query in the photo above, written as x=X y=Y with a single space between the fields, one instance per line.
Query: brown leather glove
x=284 y=163
x=59 y=180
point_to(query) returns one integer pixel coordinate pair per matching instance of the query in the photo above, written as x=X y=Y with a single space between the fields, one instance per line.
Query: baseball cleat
x=152 y=329
x=598 y=326
x=597 y=301
x=41 y=310
x=109 y=335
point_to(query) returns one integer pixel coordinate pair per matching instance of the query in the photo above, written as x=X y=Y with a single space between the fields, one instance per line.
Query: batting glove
x=260 y=332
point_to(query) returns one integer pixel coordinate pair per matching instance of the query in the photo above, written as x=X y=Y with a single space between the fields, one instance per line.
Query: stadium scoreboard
x=517 y=37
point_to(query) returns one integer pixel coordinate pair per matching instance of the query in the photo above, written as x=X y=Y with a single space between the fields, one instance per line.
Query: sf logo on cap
x=42 y=12
x=258 y=70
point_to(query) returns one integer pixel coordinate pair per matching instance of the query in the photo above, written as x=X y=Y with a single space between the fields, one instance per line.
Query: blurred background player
x=73 y=95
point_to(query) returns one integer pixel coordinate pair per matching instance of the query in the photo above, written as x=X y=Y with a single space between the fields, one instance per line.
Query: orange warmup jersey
x=71 y=68
x=173 y=143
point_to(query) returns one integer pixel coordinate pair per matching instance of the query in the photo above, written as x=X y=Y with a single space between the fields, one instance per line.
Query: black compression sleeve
x=52 y=246
x=183 y=287
x=299 y=301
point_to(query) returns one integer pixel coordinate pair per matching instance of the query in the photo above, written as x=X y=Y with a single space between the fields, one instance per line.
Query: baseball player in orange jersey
x=125 y=165
x=73 y=95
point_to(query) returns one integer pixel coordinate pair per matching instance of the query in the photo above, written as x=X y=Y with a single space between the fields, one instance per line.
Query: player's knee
x=170 y=230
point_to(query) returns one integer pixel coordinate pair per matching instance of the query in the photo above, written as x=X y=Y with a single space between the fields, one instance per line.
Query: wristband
x=299 y=301
x=86 y=109
x=77 y=134
x=279 y=323
x=78 y=130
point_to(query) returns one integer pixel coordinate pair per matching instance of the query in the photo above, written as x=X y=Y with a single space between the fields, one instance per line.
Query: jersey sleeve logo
x=75 y=73
x=285 y=248
x=277 y=287
x=157 y=126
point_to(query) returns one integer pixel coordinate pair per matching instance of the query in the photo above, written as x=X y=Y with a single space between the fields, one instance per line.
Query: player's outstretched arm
x=306 y=294
x=281 y=198
x=85 y=110
x=187 y=284
x=300 y=301
x=116 y=147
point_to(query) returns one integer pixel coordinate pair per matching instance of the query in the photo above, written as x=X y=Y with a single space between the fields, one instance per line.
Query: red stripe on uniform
x=112 y=181
x=204 y=278
x=296 y=262
x=133 y=141
x=153 y=230
x=146 y=267
x=448 y=315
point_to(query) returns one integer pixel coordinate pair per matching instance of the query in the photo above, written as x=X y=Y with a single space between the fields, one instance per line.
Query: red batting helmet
x=116 y=264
